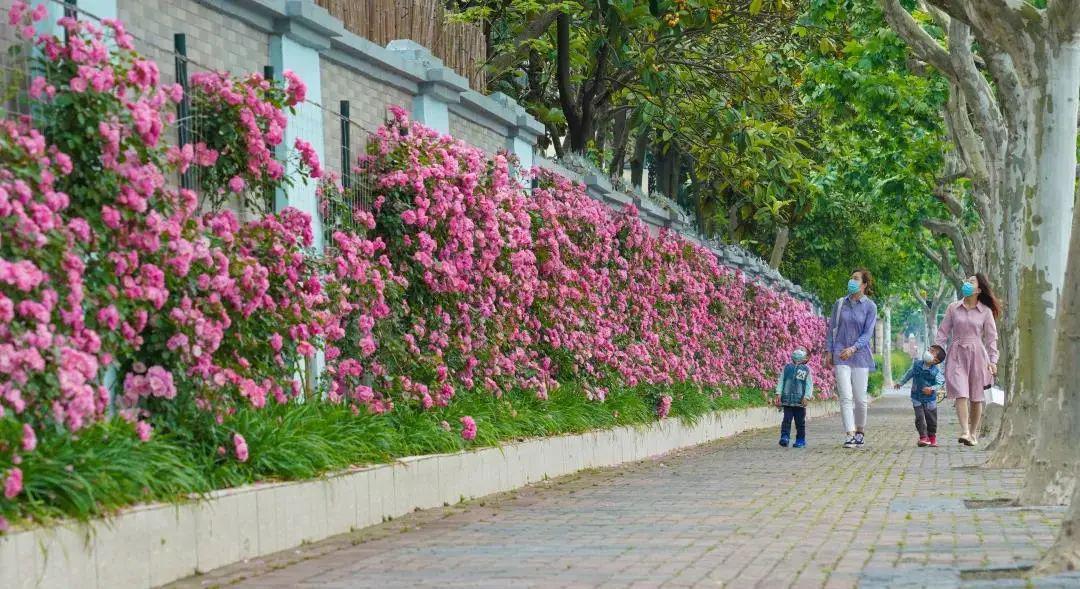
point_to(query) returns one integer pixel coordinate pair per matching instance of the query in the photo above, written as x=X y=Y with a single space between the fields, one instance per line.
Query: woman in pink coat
x=969 y=334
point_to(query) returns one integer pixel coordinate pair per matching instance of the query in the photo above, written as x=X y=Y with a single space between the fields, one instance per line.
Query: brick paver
x=741 y=512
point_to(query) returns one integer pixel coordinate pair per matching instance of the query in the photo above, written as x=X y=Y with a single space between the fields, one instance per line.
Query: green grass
x=105 y=467
x=900 y=364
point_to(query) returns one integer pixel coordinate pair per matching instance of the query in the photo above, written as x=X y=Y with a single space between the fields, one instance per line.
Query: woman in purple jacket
x=851 y=328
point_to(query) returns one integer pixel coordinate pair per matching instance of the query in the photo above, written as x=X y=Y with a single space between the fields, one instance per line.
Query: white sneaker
x=850 y=442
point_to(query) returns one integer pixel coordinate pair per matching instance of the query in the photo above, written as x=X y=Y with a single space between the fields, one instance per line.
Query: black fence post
x=275 y=199
x=71 y=10
x=346 y=152
x=183 y=108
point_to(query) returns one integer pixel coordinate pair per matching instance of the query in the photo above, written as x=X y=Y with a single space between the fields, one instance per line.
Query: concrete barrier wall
x=155 y=544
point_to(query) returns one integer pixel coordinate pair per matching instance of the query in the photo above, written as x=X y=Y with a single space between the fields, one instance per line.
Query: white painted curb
x=150 y=545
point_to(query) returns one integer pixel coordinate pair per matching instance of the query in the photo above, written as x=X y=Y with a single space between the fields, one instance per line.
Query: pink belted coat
x=969 y=337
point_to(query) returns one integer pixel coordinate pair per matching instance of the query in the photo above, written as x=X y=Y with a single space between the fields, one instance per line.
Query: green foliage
x=876 y=384
x=883 y=151
x=105 y=467
x=900 y=364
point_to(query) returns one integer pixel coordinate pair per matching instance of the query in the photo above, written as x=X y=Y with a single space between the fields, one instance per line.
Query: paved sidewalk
x=737 y=513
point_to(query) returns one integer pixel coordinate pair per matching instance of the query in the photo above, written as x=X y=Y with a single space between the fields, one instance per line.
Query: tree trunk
x=674 y=181
x=1046 y=227
x=733 y=223
x=600 y=134
x=1061 y=413
x=1051 y=475
x=622 y=135
x=658 y=172
x=637 y=162
x=886 y=349
x=783 y=234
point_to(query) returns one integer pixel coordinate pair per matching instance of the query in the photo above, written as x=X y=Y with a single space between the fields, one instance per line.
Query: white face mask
x=927 y=357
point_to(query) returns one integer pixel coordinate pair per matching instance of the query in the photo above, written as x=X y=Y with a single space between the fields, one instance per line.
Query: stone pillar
x=522 y=134
x=440 y=88
x=286 y=54
x=295 y=46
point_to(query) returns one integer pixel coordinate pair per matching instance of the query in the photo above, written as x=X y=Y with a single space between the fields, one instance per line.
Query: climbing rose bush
x=111 y=274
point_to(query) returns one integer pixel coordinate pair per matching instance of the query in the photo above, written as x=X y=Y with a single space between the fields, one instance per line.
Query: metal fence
x=342 y=139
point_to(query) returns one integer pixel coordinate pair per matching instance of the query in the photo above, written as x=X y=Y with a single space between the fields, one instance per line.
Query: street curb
x=151 y=545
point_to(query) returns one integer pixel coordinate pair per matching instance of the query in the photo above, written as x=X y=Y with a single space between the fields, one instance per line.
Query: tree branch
x=969 y=144
x=988 y=120
x=956 y=235
x=1003 y=22
x=942 y=293
x=925 y=46
x=1063 y=19
x=943 y=193
x=941 y=260
x=535 y=28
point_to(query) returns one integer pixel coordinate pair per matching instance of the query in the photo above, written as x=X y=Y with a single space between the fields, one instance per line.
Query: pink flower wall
x=458 y=282
x=508 y=289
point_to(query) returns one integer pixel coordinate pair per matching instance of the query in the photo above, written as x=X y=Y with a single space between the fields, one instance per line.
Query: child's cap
x=798 y=355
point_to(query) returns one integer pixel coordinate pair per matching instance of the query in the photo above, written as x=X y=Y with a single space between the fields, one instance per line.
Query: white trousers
x=851 y=385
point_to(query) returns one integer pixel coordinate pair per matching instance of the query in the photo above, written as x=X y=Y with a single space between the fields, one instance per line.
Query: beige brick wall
x=215 y=41
x=368 y=99
x=477 y=135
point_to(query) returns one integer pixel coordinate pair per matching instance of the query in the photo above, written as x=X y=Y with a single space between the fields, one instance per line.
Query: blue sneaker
x=784 y=441
x=799 y=443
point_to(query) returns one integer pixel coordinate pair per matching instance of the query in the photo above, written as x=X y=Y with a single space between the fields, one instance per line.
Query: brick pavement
x=741 y=512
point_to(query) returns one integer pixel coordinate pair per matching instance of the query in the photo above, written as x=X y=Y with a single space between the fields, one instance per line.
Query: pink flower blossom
x=29 y=438
x=240 y=447
x=13 y=483
x=143 y=430
x=664 y=407
x=468 y=428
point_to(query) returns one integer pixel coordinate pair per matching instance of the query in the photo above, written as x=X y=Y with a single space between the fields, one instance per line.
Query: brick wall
x=214 y=40
x=368 y=99
x=476 y=134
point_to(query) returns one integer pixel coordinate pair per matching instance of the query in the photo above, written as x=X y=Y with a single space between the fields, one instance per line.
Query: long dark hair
x=986 y=295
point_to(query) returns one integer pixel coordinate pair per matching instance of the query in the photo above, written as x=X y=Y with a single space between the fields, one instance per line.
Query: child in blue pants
x=794 y=389
x=927 y=379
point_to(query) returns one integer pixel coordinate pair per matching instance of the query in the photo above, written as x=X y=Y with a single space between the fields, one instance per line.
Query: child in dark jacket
x=794 y=389
x=927 y=379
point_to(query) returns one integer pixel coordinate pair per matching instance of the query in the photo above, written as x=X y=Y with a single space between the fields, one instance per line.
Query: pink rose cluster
x=256 y=108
